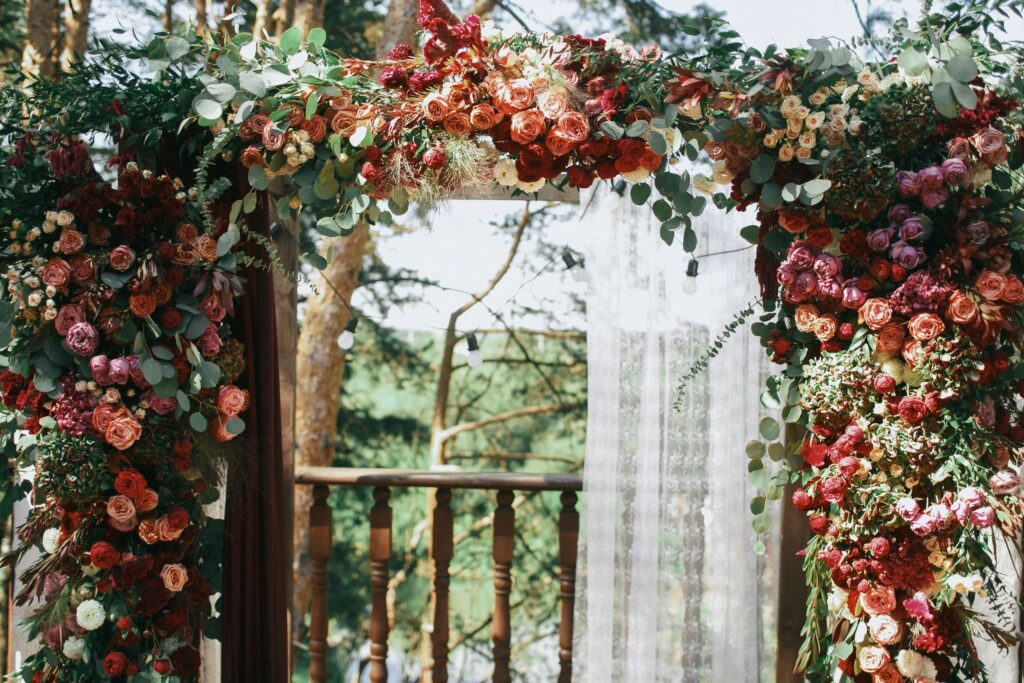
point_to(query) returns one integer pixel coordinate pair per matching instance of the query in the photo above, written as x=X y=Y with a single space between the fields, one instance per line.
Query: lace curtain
x=669 y=586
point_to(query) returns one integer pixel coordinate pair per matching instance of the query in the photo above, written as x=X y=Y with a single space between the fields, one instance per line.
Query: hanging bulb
x=347 y=339
x=574 y=267
x=475 y=358
x=690 y=282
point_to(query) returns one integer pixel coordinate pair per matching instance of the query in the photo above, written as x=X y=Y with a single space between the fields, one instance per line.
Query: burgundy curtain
x=254 y=629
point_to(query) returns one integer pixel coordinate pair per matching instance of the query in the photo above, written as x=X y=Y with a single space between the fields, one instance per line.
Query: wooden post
x=792 y=584
x=380 y=554
x=504 y=542
x=441 y=550
x=568 y=537
x=319 y=553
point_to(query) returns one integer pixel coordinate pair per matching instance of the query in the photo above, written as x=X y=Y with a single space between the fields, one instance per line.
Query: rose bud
x=435 y=158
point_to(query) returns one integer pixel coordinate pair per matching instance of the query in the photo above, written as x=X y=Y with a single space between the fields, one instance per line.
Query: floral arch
x=887 y=205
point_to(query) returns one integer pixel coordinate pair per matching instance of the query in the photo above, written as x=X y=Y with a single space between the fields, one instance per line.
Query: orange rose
x=206 y=247
x=71 y=241
x=990 y=284
x=793 y=222
x=527 y=126
x=102 y=416
x=890 y=338
x=231 y=400
x=961 y=309
x=553 y=103
x=514 y=96
x=174 y=576
x=342 y=100
x=485 y=117
x=876 y=313
x=344 y=122
x=806 y=315
x=457 y=123
x=574 y=126
x=147 y=532
x=121 y=509
x=147 y=500
x=316 y=127
x=913 y=352
x=186 y=255
x=435 y=107
x=825 y=327
x=887 y=674
x=186 y=232
x=926 y=326
x=166 y=531
x=123 y=430
x=252 y=156
x=878 y=601
x=558 y=143
x=1013 y=293
x=142 y=305
x=218 y=427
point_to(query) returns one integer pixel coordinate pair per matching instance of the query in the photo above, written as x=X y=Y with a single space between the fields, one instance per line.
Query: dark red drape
x=254 y=630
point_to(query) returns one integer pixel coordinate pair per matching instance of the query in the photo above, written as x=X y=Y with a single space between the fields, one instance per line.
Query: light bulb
x=690 y=285
x=476 y=358
x=574 y=267
x=347 y=339
x=579 y=274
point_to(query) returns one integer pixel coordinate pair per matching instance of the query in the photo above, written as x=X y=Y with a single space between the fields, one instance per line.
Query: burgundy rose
x=833 y=489
x=160 y=405
x=819 y=524
x=82 y=339
x=978 y=232
x=912 y=409
x=83 y=268
x=800 y=257
x=853 y=296
x=68 y=316
x=899 y=213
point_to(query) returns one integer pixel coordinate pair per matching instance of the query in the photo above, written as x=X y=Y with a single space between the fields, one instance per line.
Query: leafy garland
x=889 y=204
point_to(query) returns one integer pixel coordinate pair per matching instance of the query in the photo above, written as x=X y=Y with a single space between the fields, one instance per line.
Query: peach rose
x=574 y=126
x=121 y=509
x=961 y=309
x=147 y=500
x=527 y=126
x=206 y=247
x=435 y=107
x=342 y=100
x=56 y=272
x=457 y=123
x=926 y=326
x=102 y=416
x=174 y=576
x=887 y=674
x=147 y=532
x=231 y=400
x=825 y=327
x=344 y=122
x=121 y=258
x=1013 y=293
x=873 y=658
x=71 y=241
x=186 y=232
x=991 y=145
x=514 y=96
x=485 y=117
x=806 y=315
x=558 y=143
x=123 y=430
x=884 y=629
x=959 y=148
x=876 y=313
x=913 y=352
x=553 y=103
x=890 y=338
x=878 y=601
x=165 y=531
x=990 y=284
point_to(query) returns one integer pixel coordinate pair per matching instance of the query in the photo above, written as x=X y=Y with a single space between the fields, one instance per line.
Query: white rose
x=90 y=615
x=915 y=665
x=65 y=218
x=51 y=216
x=530 y=188
x=73 y=647
x=638 y=176
x=815 y=120
x=51 y=540
x=505 y=172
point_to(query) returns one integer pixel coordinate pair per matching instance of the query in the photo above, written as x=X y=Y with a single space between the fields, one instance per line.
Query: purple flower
x=800 y=257
x=879 y=240
x=135 y=371
x=978 y=233
x=82 y=339
x=907 y=255
x=899 y=213
x=907 y=508
x=120 y=371
x=828 y=288
x=909 y=184
x=934 y=198
x=915 y=228
x=983 y=517
x=99 y=366
x=827 y=266
x=853 y=296
x=785 y=274
x=931 y=178
x=955 y=171
x=805 y=286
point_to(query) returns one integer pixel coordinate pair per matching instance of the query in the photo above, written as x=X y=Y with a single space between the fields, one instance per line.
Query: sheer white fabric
x=669 y=587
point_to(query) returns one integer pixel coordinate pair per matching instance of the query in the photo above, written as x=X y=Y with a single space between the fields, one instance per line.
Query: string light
x=690 y=283
x=347 y=339
x=474 y=359
x=574 y=267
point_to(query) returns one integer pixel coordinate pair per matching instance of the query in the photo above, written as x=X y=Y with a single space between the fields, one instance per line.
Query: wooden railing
x=442 y=547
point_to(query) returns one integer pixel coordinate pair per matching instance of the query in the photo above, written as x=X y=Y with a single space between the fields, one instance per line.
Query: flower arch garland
x=889 y=203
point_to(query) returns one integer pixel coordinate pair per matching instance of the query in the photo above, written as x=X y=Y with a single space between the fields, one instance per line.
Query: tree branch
x=509 y=415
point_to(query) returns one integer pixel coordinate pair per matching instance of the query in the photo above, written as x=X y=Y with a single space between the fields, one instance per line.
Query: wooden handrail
x=389 y=478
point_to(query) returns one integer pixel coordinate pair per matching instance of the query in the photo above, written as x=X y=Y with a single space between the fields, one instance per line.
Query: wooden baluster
x=319 y=553
x=568 y=535
x=380 y=554
x=504 y=540
x=441 y=550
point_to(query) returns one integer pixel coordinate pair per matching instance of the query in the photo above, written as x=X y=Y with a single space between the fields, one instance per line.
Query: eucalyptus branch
x=702 y=363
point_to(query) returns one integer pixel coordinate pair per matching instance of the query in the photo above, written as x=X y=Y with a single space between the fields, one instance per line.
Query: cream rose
x=884 y=629
x=872 y=658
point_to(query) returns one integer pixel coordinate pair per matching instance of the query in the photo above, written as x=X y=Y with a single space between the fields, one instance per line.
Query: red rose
x=103 y=555
x=435 y=158
x=177 y=518
x=820 y=236
x=580 y=177
x=130 y=483
x=819 y=524
x=801 y=500
x=885 y=384
x=114 y=664
x=162 y=667
x=879 y=546
x=833 y=489
x=814 y=454
x=124 y=624
x=912 y=409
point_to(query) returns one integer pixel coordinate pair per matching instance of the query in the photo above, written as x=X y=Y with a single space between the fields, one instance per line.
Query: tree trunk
x=308 y=14
x=283 y=16
x=76 y=32
x=225 y=24
x=168 y=15
x=262 y=20
x=38 y=58
x=399 y=26
x=201 y=16
x=320 y=364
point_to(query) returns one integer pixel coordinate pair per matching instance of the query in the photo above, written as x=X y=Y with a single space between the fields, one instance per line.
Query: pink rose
x=212 y=308
x=878 y=601
x=971 y=497
x=119 y=371
x=922 y=525
x=121 y=258
x=907 y=508
x=880 y=239
x=954 y=170
x=160 y=405
x=574 y=126
x=553 y=103
x=826 y=266
x=853 y=296
x=231 y=400
x=82 y=339
x=174 y=576
x=209 y=341
x=909 y=184
x=983 y=517
x=1004 y=482
x=931 y=178
x=907 y=255
x=121 y=510
x=990 y=285
x=933 y=199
